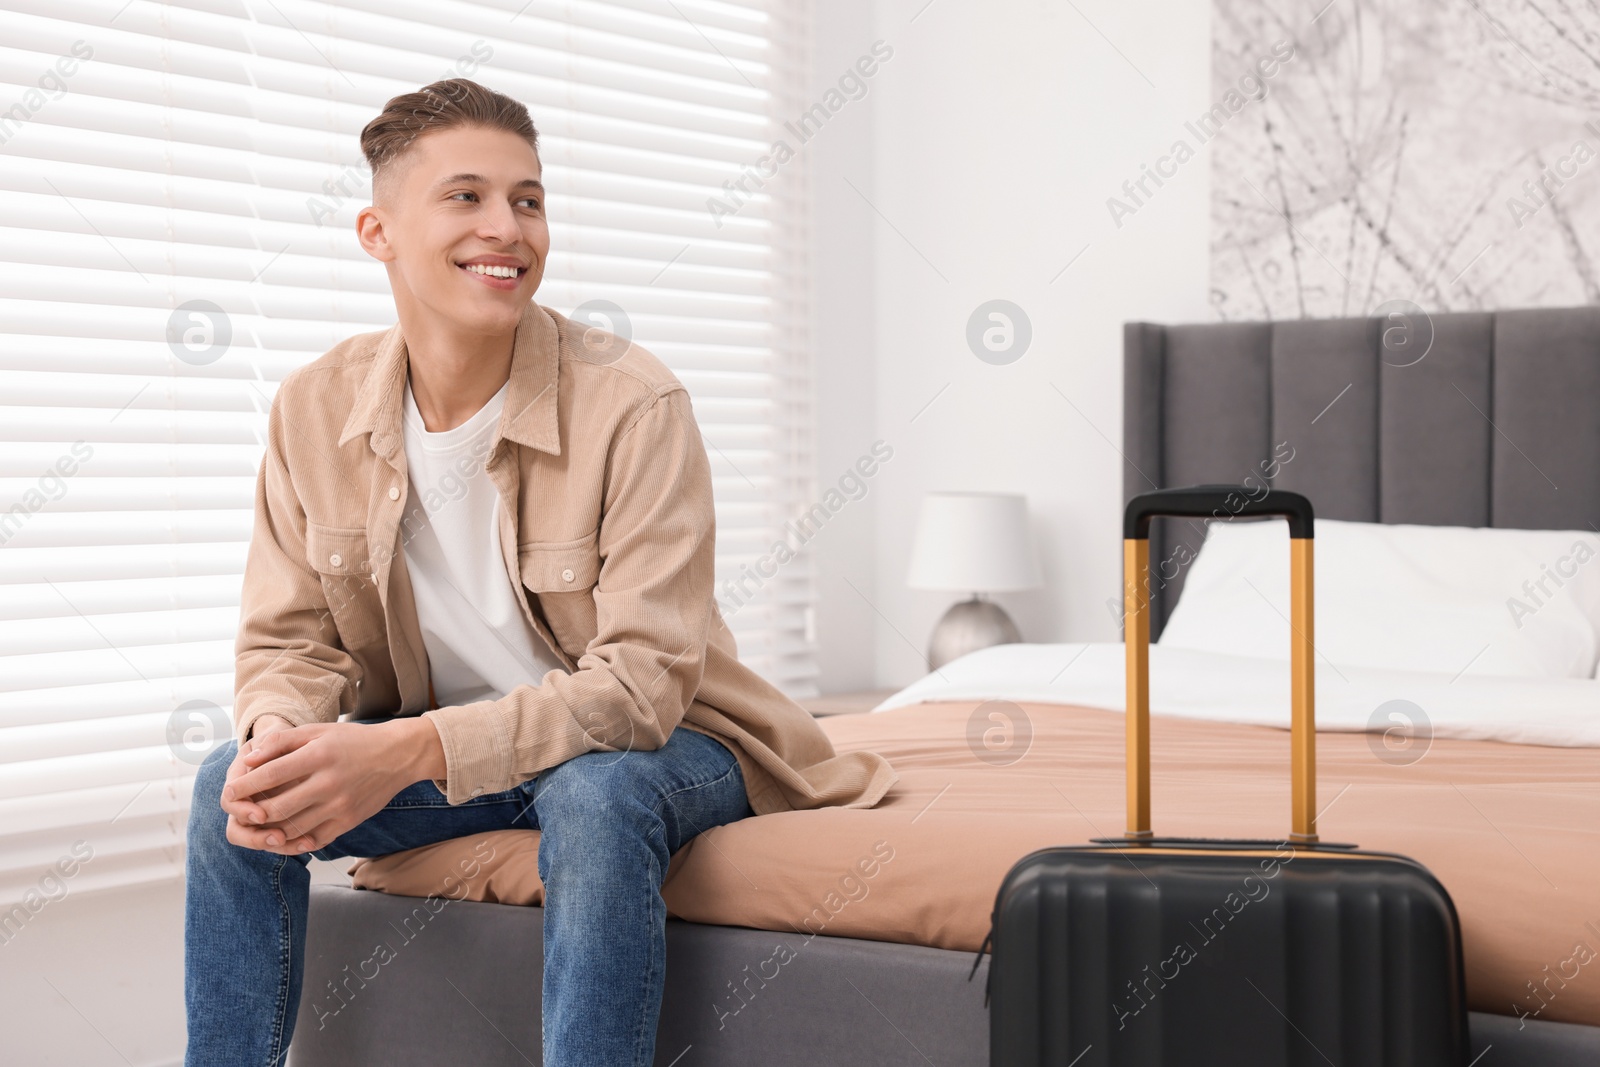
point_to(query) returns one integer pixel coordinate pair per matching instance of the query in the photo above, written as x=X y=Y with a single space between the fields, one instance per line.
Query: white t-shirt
x=479 y=645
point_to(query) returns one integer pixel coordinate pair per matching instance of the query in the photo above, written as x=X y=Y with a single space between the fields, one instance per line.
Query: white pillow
x=1450 y=599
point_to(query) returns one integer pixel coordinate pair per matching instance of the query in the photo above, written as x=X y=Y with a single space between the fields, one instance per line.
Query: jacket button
x=335 y=559
x=394 y=492
x=567 y=575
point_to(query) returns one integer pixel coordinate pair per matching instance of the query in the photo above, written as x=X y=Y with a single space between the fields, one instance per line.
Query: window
x=178 y=186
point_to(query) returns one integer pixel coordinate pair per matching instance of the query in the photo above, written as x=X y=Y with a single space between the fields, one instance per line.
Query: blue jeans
x=609 y=823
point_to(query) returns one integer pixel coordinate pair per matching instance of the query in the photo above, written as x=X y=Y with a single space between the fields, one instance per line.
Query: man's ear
x=371 y=231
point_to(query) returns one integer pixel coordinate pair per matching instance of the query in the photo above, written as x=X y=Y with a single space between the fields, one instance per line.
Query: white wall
x=998 y=131
x=843 y=341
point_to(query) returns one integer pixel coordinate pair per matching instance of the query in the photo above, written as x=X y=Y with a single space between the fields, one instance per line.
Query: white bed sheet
x=1563 y=712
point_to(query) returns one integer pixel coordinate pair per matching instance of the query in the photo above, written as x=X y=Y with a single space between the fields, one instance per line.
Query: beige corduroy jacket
x=607 y=525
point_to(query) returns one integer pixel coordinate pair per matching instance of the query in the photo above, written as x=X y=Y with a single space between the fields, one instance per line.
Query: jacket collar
x=529 y=417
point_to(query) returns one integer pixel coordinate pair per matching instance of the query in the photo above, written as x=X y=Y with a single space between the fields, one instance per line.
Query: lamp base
x=967 y=627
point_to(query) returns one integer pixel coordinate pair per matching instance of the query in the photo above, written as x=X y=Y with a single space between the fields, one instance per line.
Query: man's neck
x=452 y=376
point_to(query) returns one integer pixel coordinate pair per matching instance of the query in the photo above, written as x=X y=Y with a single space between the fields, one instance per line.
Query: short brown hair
x=446 y=104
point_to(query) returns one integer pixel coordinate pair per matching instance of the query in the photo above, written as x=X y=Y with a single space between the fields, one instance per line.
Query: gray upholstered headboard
x=1497 y=425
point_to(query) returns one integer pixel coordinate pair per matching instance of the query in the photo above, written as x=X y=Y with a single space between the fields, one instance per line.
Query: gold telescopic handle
x=1136 y=639
x=1302 y=725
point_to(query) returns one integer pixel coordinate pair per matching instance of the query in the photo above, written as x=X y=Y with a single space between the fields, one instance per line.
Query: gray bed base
x=1495 y=426
x=459 y=984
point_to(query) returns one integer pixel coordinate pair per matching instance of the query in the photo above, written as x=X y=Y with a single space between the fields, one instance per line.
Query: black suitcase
x=1189 y=953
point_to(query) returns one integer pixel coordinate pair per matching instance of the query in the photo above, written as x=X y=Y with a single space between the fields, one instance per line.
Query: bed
x=848 y=937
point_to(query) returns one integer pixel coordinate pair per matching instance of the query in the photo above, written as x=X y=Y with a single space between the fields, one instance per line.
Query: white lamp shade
x=974 y=542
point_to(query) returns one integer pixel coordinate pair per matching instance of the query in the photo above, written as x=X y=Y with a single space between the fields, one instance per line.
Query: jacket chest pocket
x=562 y=574
x=339 y=556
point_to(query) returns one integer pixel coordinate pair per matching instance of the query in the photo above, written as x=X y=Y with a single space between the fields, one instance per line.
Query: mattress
x=1512 y=831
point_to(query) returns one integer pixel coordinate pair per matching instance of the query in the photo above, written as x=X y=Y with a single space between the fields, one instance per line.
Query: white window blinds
x=178 y=187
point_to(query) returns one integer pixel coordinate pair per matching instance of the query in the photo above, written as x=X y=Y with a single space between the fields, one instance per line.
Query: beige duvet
x=1513 y=832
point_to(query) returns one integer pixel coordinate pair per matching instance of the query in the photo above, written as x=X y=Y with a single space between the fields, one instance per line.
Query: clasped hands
x=293 y=789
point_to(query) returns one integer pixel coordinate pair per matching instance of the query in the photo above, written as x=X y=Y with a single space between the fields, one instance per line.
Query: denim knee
x=588 y=800
x=206 y=817
x=586 y=790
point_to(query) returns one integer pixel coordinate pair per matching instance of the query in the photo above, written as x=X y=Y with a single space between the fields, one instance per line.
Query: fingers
x=245 y=803
x=254 y=809
x=281 y=837
x=281 y=771
x=242 y=808
x=248 y=810
x=295 y=802
x=269 y=746
x=252 y=836
x=248 y=813
x=316 y=838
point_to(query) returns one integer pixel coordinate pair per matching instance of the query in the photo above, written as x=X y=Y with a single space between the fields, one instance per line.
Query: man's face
x=459 y=201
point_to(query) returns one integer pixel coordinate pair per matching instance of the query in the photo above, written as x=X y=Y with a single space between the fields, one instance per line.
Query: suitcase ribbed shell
x=1167 y=958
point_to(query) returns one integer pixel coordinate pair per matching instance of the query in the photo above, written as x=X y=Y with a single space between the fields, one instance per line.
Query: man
x=488 y=531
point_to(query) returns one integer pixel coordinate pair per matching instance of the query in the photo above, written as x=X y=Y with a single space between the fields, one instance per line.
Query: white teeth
x=493 y=272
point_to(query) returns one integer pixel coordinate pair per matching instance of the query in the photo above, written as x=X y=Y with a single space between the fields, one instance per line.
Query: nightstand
x=846 y=703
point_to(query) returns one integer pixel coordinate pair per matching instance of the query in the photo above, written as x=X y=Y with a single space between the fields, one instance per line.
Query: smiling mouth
x=501 y=273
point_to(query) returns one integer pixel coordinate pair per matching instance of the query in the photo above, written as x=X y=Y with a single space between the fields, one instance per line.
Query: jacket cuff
x=477 y=750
